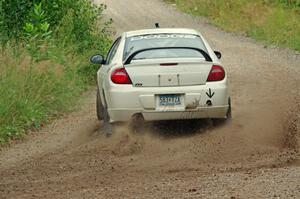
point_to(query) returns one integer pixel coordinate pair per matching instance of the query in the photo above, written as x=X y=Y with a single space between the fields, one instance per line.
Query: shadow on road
x=179 y=128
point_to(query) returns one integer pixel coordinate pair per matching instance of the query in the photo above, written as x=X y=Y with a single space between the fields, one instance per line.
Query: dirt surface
x=255 y=156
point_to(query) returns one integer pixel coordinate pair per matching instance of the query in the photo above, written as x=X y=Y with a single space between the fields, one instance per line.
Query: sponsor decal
x=163 y=36
x=210 y=93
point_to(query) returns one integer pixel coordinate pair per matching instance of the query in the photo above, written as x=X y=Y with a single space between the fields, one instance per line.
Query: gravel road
x=255 y=156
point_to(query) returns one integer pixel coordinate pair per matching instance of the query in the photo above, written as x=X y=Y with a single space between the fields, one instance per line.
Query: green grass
x=272 y=22
x=43 y=77
x=32 y=93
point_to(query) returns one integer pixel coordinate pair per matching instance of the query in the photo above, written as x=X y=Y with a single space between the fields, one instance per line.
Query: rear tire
x=102 y=114
x=137 y=124
x=99 y=106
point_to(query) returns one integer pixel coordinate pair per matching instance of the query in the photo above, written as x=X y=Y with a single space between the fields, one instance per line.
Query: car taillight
x=120 y=76
x=217 y=73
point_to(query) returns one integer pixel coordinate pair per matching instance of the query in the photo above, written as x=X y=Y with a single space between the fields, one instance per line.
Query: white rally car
x=161 y=74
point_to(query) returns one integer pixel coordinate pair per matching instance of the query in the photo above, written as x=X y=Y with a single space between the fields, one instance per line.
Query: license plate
x=169 y=100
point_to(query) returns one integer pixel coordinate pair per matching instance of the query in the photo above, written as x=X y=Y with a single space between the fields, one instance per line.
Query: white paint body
x=124 y=101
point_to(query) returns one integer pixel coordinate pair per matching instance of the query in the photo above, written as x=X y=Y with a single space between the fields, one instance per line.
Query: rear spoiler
x=130 y=57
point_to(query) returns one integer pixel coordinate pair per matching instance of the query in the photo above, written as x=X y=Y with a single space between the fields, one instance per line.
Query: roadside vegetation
x=44 y=52
x=271 y=21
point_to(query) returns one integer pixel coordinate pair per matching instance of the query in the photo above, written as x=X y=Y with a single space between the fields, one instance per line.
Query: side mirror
x=218 y=54
x=97 y=59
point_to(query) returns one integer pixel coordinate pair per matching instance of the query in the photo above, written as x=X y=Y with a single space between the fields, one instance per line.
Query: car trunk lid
x=171 y=72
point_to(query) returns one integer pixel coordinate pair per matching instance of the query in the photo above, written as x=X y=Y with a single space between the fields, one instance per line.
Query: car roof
x=161 y=31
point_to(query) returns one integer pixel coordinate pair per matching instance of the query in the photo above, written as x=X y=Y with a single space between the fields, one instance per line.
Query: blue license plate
x=169 y=100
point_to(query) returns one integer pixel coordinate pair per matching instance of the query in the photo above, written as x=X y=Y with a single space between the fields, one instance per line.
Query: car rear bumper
x=123 y=115
x=127 y=101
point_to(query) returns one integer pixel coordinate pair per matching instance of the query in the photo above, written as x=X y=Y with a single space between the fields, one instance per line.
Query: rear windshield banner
x=163 y=36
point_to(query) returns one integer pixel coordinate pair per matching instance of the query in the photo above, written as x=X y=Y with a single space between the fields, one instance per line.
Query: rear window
x=140 y=42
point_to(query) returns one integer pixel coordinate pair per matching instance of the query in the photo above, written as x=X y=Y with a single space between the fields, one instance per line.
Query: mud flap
x=107 y=126
x=99 y=106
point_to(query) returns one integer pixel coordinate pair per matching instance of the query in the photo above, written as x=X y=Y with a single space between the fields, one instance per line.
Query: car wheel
x=107 y=126
x=99 y=106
